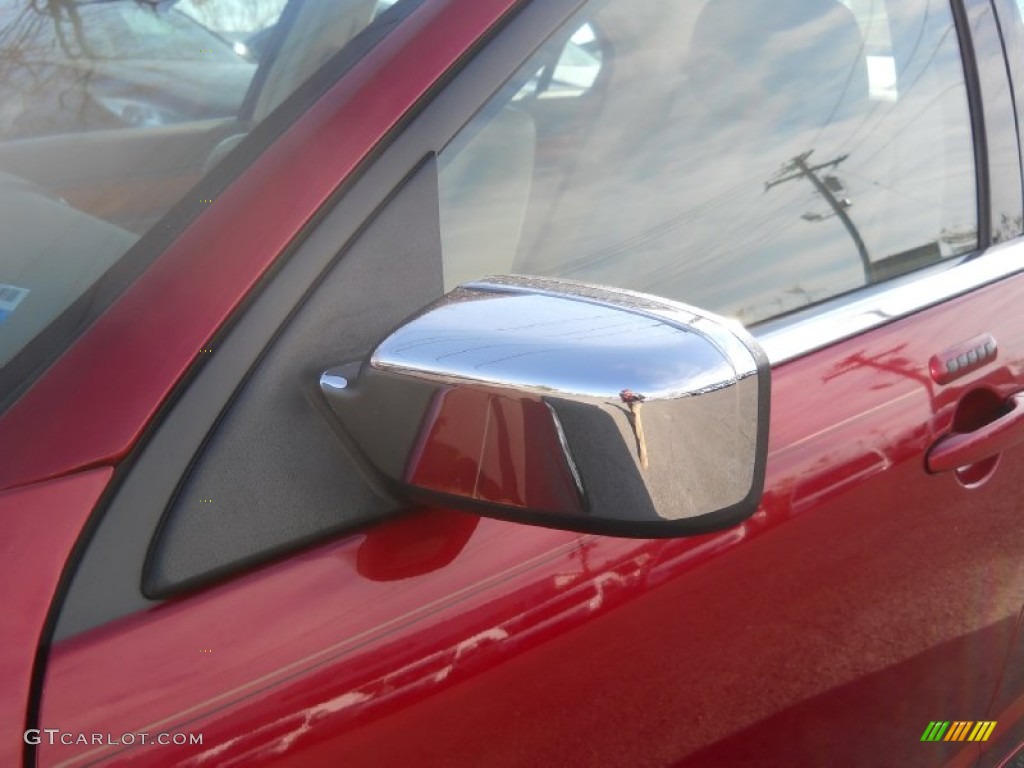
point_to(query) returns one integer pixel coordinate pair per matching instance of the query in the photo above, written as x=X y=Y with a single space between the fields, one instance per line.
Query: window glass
x=129 y=31
x=747 y=156
x=573 y=73
x=111 y=110
x=1010 y=17
x=247 y=26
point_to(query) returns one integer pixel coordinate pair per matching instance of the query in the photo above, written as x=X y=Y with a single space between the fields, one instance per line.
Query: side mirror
x=565 y=405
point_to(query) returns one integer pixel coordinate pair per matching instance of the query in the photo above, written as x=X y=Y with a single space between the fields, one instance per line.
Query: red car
x=576 y=382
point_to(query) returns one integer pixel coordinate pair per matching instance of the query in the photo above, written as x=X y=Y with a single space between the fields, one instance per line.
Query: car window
x=110 y=112
x=749 y=157
x=1010 y=15
x=74 y=67
x=129 y=31
x=246 y=26
x=572 y=73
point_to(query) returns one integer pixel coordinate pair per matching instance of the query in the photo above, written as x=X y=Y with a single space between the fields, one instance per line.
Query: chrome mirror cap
x=567 y=405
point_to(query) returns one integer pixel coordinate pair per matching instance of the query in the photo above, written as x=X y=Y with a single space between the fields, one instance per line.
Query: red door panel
x=864 y=599
x=41 y=525
x=1007 y=708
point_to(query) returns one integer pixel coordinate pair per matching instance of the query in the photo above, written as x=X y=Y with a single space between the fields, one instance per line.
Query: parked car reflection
x=70 y=66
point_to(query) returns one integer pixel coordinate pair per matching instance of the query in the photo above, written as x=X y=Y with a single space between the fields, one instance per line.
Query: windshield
x=112 y=110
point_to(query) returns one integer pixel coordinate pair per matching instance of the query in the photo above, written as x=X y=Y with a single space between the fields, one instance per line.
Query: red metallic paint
x=826 y=630
x=960 y=449
x=1008 y=706
x=41 y=524
x=104 y=390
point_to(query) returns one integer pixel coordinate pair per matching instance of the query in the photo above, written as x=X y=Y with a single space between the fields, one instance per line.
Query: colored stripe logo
x=958 y=730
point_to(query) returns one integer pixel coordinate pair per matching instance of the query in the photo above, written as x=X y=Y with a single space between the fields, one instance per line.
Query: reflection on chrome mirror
x=567 y=405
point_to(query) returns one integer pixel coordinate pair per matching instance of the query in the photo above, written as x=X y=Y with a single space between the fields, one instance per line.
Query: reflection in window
x=571 y=74
x=112 y=110
x=782 y=154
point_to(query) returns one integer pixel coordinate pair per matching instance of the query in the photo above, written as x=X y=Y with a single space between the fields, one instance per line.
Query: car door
x=63 y=265
x=251 y=595
x=1006 y=705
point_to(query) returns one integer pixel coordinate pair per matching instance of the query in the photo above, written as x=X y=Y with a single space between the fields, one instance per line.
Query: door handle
x=961 y=449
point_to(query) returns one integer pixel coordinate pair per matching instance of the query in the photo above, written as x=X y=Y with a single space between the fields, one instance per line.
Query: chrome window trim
x=799 y=334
